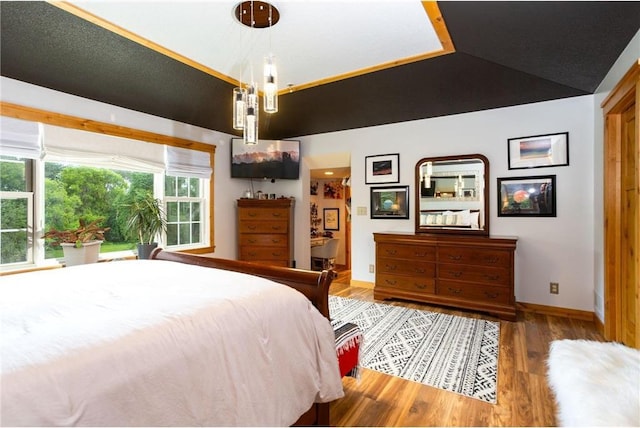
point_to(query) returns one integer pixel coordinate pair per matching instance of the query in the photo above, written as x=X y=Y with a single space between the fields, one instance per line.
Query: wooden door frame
x=625 y=94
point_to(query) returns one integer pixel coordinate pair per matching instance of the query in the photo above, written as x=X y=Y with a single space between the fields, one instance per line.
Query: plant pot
x=144 y=250
x=88 y=253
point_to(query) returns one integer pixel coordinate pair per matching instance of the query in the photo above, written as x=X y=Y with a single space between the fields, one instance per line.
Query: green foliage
x=145 y=217
x=12 y=176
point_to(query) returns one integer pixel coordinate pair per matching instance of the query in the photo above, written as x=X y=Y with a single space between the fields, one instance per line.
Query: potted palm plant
x=80 y=245
x=146 y=218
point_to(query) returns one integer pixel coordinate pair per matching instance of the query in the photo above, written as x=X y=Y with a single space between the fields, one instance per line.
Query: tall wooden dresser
x=265 y=231
x=470 y=272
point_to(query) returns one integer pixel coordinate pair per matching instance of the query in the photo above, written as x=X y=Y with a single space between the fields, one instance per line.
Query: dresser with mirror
x=450 y=259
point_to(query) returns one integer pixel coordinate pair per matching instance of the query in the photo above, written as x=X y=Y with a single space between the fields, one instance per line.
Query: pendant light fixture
x=256 y=14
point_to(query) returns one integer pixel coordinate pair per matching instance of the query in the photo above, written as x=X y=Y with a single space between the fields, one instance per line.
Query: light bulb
x=239 y=96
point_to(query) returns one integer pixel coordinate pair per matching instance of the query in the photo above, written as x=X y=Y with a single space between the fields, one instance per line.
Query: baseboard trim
x=556 y=311
x=361 y=284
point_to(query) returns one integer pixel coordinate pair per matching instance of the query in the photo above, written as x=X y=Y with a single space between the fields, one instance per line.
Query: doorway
x=621 y=213
x=331 y=191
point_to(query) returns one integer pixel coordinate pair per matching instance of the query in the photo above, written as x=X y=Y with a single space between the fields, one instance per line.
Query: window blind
x=20 y=138
x=68 y=145
x=187 y=163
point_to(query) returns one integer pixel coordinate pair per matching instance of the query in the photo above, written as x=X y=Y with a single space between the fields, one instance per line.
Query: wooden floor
x=524 y=398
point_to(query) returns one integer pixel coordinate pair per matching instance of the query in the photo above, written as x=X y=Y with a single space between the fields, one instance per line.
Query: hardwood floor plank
x=524 y=397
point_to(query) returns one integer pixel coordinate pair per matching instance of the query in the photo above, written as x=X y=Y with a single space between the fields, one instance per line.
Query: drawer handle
x=492 y=260
x=491 y=295
x=252 y=214
x=276 y=228
x=252 y=227
x=391 y=252
x=420 y=270
x=391 y=267
x=492 y=277
x=276 y=214
x=455 y=290
x=456 y=257
x=455 y=274
x=275 y=241
x=252 y=254
x=421 y=286
x=391 y=282
x=275 y=254
x=252 y=241
x=424 y=254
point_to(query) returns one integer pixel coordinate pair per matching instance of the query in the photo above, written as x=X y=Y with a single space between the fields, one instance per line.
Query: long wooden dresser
x=470 y=272
x=265 y=231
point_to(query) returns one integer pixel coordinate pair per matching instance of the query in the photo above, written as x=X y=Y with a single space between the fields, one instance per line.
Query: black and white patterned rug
x=444 y=351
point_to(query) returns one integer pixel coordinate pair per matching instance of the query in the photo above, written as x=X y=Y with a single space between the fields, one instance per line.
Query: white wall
x=556 y=249
x=630 y=55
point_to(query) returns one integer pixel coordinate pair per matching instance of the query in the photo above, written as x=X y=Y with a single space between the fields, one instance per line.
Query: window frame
x=84 y=124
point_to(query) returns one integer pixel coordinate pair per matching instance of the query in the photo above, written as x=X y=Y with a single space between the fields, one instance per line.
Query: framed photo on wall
x=527 y=196
x=539 y=151
x=382 y=169
x=331 y=218
x=390 y=202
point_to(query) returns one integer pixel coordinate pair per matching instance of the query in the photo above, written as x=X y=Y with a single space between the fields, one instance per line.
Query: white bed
x=160 y=343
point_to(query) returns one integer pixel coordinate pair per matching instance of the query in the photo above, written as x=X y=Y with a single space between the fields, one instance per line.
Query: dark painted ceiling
x=507 y=53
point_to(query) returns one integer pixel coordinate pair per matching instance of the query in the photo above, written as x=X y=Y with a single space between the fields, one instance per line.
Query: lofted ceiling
x=350 y=64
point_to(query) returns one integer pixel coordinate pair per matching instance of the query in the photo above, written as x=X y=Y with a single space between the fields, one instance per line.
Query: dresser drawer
x=474 y=292
x=418 y=284
x=406 y=267
x=264 y=240
x=263 y=227
x=263 y=253
x=485 y=275
x=263 y=214
x=412 y=252
x=474 y=256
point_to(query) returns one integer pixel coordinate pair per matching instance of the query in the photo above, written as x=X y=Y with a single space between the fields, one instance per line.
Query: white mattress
x=157 y=343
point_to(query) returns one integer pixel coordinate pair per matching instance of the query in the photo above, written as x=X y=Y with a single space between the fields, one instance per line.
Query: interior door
x=621 y=210
x=630 y=219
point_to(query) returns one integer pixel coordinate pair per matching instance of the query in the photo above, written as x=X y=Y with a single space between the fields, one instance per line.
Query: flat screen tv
x=268 y=159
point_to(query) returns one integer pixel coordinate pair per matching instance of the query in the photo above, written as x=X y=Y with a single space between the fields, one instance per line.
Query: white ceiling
x=314 y=40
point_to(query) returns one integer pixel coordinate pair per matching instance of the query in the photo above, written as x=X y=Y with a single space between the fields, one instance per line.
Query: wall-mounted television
x=268 y=159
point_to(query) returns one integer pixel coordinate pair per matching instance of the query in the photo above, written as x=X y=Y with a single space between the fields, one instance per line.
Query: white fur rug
x=595 y=383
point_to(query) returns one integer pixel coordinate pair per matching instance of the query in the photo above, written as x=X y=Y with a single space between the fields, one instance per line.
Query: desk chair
x=324 y=256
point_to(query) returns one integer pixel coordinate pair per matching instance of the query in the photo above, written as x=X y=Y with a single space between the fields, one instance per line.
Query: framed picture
x=331 y=218
x=539 y=151
x=390 y=202
x=527 y=196
x=382 y=169
x=333 y=190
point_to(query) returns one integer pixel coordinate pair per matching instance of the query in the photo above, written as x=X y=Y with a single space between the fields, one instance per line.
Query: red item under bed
x=348 y=340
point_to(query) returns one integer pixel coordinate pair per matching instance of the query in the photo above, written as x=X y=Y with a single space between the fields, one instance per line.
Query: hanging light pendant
x=251 y=117
x=239 y=108
x=270 y=88
x=256 y=14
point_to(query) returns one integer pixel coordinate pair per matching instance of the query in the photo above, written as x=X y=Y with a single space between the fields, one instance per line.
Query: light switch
x=361 y=211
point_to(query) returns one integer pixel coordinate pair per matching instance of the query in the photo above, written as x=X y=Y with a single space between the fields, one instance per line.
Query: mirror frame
x=485 y=207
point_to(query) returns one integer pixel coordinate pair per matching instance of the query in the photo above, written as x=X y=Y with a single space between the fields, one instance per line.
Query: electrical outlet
x=371 y=268
x=554 y=288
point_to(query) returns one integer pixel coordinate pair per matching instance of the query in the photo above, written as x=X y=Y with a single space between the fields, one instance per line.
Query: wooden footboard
x=314 y=285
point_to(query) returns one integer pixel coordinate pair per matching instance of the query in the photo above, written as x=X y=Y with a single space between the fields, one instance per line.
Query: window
x=16 y=211
x=184 y=205
x=90 y=175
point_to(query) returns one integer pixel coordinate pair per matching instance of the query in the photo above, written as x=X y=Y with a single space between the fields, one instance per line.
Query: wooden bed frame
x=314 y=285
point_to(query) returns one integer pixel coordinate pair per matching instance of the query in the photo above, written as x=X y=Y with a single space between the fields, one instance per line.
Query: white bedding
x=159 y=343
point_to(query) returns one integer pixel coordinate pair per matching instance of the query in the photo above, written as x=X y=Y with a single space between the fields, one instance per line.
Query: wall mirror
x=452 y=195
